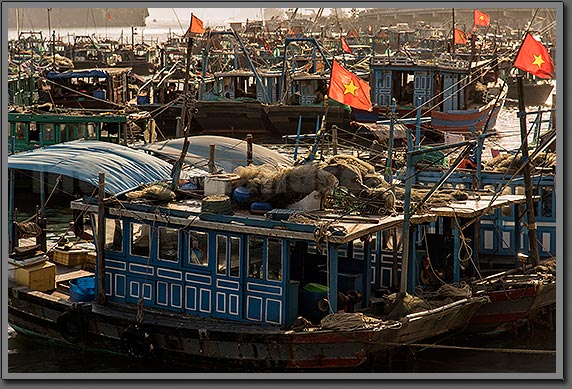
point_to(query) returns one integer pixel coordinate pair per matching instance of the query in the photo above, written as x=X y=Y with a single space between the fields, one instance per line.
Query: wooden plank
x=72 y=275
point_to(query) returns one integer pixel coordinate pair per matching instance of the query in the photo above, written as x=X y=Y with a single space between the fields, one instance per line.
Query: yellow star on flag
x=350 y=88
x=481 y=17
x=538 y=61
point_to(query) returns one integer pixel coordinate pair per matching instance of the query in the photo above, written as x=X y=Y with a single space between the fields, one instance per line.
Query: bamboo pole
x=528 y=190
x=101 y=240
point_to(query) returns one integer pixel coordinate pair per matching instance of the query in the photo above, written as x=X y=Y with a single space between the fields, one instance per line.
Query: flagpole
x=524 y=37
x=453 y=31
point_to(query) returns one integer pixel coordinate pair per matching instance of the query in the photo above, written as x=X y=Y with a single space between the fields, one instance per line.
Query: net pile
x=284 y=186
x=361 y=189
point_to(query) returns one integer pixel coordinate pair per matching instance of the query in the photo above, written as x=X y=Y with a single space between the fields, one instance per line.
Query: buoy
x=136 y=342
x=71 y=325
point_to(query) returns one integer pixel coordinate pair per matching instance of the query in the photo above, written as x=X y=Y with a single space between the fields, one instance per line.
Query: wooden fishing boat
x=29 y=130
x=457 y=97
x=515 y=296
x=470 y=120
x=195 y=280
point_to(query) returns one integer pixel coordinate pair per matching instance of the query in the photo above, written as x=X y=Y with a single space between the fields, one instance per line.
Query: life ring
x=136 y=342
x=71 y=325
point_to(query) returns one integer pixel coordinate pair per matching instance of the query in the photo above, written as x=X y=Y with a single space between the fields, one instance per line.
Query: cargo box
x=39 y=276
x=69 y=257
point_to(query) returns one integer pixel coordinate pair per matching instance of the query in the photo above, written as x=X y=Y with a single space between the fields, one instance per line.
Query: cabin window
x=140 y=241
x=274 y=256
x=387 y=239
x=113 y=234
x=198 y=249
x=81 y=131
x=168 y=244
x=91 y=131
x=34 y=134
x=48 y=132
x=234 y=257
x=221 y=254
x=228 y=256
x=546 y=202
x=67 y=132
x=255 y=257
x=21 y=131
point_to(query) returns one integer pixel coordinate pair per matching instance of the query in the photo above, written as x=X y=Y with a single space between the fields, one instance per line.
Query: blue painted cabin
x=241 y=267
x=415 y=82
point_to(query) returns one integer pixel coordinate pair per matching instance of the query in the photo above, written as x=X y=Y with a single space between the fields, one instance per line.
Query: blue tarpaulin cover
x=77 y=74
x=124 y=167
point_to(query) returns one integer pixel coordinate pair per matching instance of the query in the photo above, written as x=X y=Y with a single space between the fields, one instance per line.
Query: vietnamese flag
x=346 y=47
x=460 y=37
x=481 y=18
x=196 y=26
x=347 y=88
x=108 y=15
x=533 y=58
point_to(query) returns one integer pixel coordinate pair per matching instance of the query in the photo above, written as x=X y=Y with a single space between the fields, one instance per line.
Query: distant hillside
x=36 y=18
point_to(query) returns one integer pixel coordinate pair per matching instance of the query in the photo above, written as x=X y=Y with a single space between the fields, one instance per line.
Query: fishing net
x=361 y=189
x=440 y=198
x=28 y=230
x=284 y=186
x=510 y=163
x=152 y=193
x=401 y=304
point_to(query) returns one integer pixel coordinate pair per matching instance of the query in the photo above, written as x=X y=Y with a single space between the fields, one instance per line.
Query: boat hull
x=514 y=305
x=534 y=94
x=182 y=339
x=465 y=122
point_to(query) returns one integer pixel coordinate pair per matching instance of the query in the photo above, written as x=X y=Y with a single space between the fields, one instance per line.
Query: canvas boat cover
x=229 y=152
x=125 y=168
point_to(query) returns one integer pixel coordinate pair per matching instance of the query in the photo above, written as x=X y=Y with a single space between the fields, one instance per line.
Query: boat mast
x=528 y=190
x=176 y=173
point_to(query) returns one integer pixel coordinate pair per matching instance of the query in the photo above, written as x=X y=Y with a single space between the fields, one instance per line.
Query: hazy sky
x=211 y=16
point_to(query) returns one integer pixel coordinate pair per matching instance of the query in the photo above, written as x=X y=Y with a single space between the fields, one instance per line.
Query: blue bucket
x=99 y=94
x=82 y=289
x=241 y=195
x=142 y=100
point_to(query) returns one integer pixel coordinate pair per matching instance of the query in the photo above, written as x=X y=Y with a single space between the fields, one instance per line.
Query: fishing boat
x=457 y=97
x=234 y=282
x=29 y=130
x=465 y=242
x=97 y=88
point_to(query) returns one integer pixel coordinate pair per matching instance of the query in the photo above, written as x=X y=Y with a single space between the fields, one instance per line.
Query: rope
x=485 y=349
x=345 y=321
x=28 y=229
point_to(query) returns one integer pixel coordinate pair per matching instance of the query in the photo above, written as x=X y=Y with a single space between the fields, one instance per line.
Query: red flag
x=266 y=45
x=108 y=15
x=347 y=88
x=196 y=26
x=480 y=18
x=533 y=58
x=460 y=37
x=346 y=47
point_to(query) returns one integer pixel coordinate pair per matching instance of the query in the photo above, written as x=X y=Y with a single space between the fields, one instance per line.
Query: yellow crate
x=69 y=257
x=39 y=276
